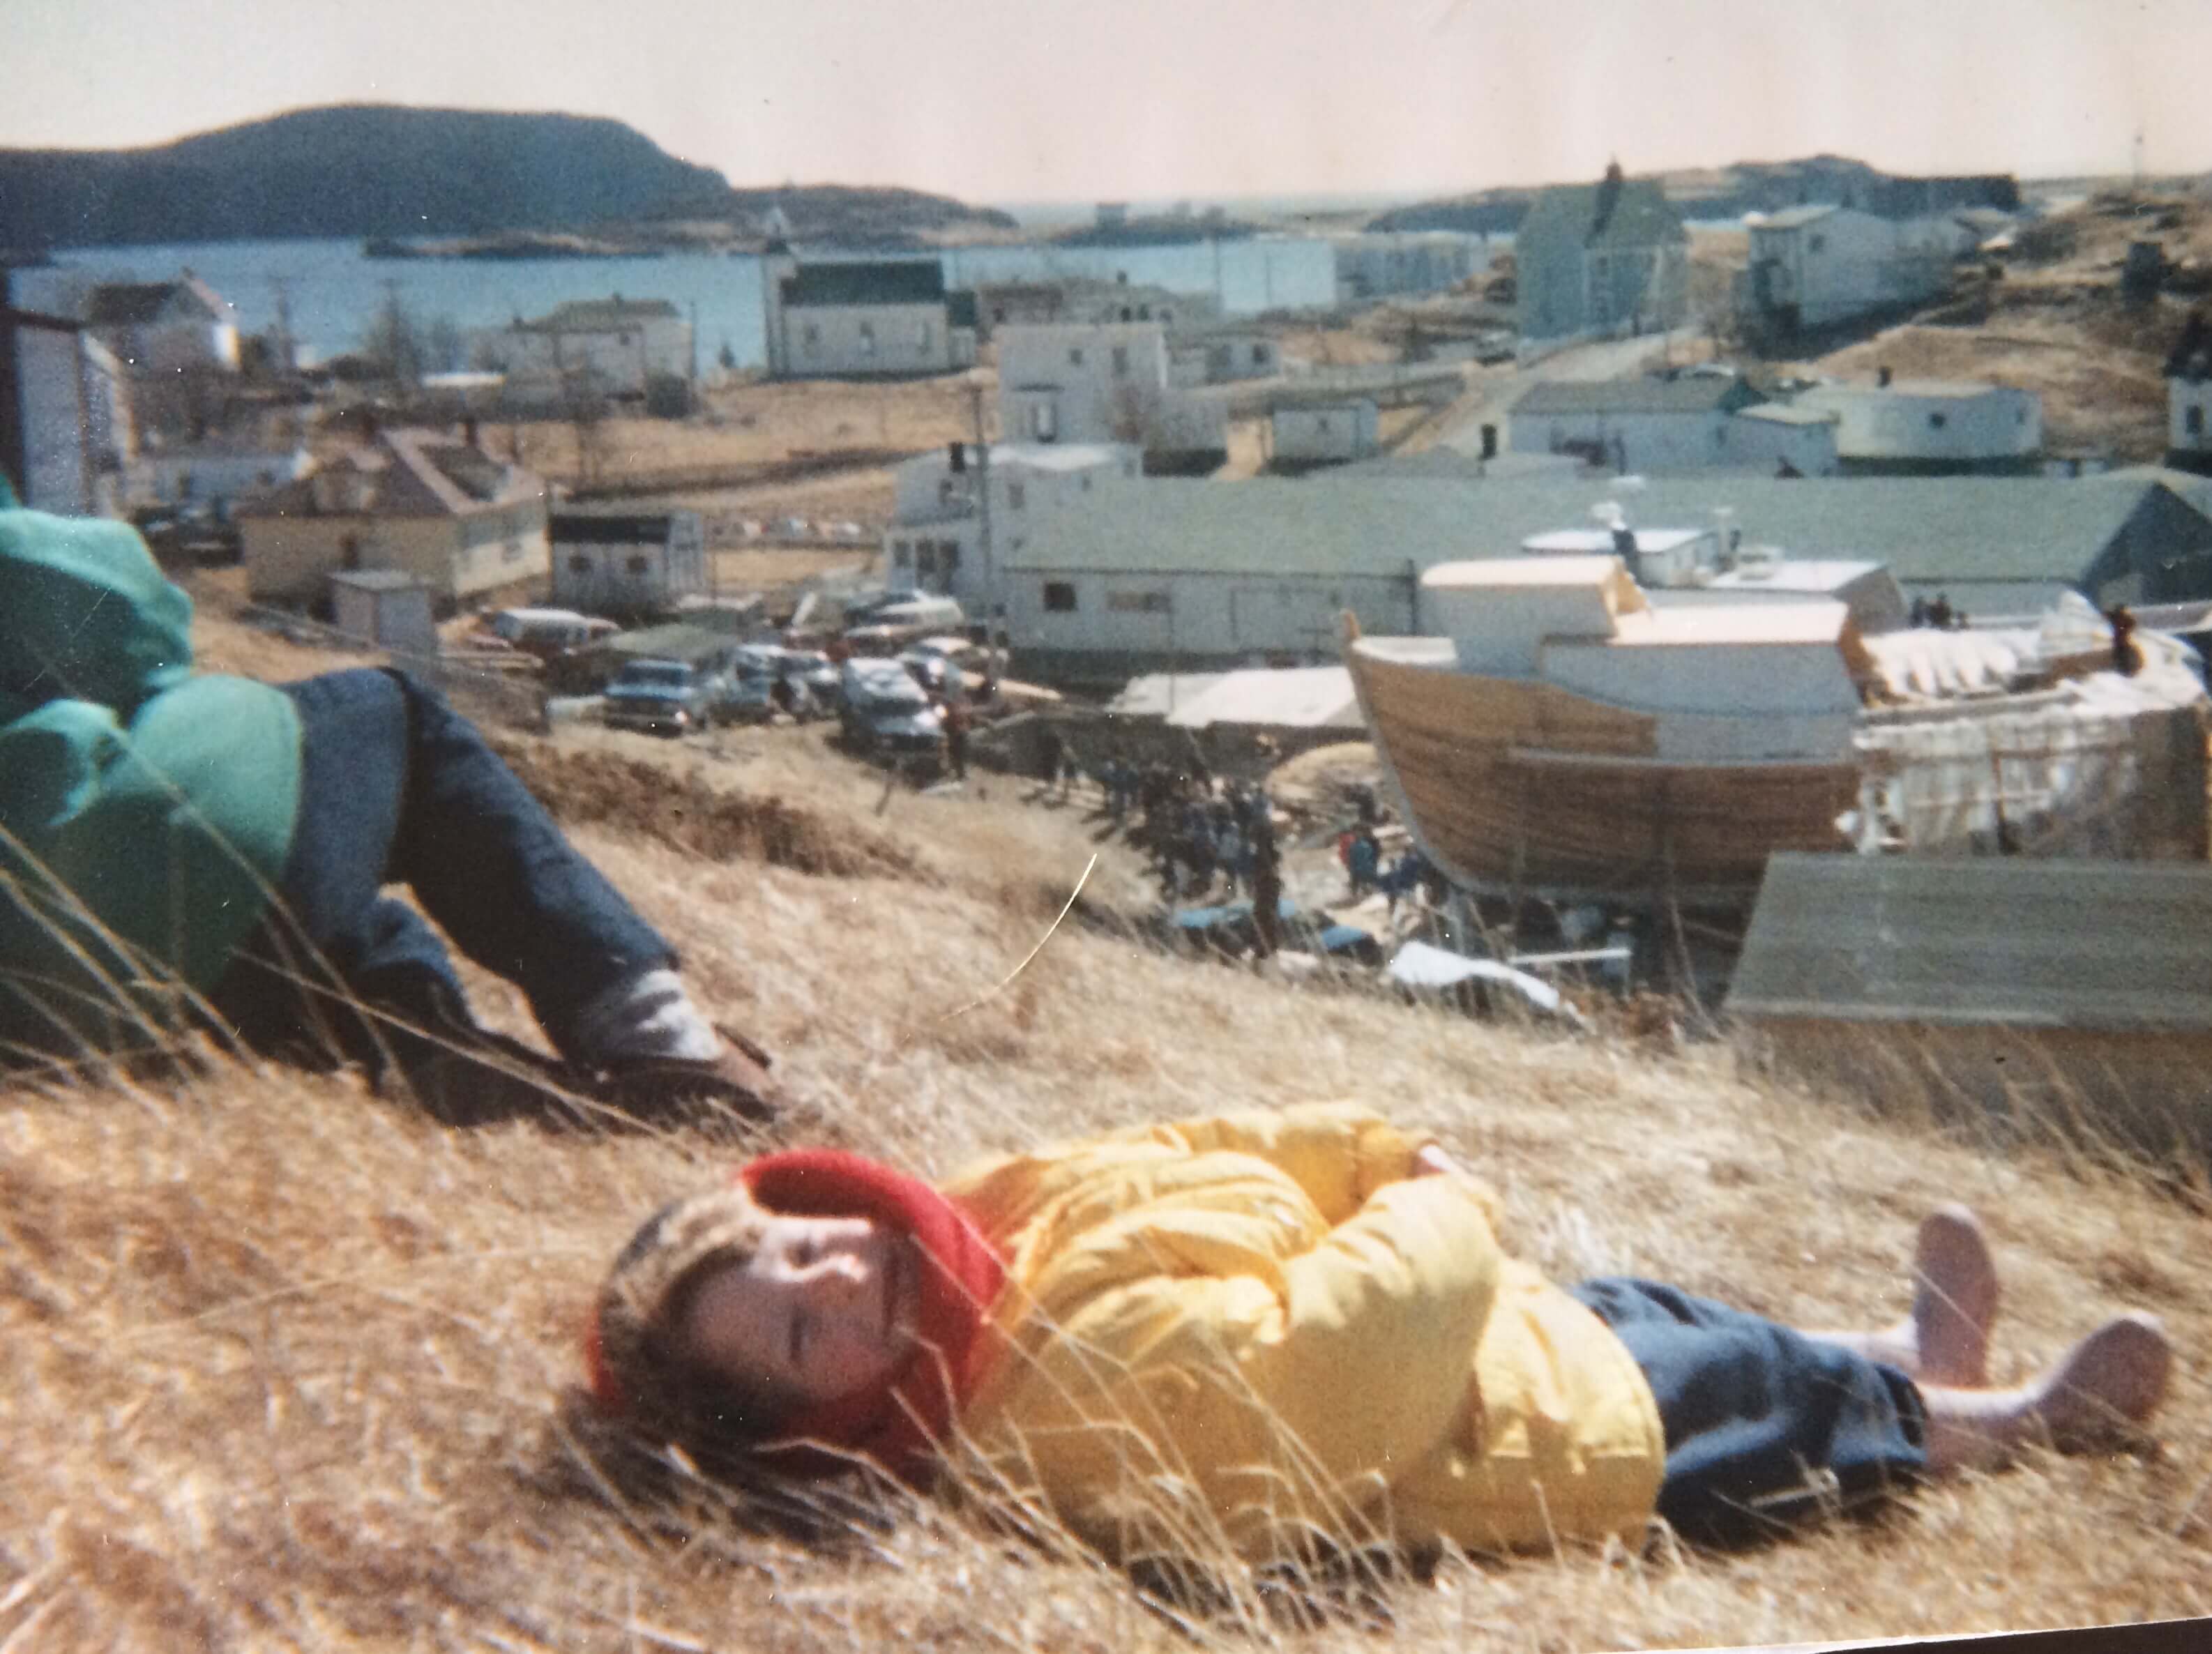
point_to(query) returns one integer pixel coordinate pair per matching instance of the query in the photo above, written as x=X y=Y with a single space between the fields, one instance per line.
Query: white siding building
x=65 y=424
x=1651 y=423
x=1815 y=266
x=1323 y=434
x=211 y=474
x=603 y=347
x=1930 y=426
x=627 y=564
x=1107 y=382
x=165 y=327
x=2189 y=399
x=935 y=542
x=864 y=318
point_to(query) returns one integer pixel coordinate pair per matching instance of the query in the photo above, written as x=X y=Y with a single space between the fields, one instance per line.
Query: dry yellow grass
x=285 y=1365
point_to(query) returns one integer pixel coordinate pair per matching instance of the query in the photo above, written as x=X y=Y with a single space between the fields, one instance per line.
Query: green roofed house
x=863 y=317
x=1607 y=258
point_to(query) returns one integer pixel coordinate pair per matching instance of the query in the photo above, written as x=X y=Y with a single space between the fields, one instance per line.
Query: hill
x=289 y=1365
x=362 y=170
x=1729 y=193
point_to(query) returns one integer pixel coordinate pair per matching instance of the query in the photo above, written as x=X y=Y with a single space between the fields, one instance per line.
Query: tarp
x=1424 y=967
x=1284 y=697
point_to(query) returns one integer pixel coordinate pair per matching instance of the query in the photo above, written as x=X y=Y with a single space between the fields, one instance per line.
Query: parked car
x=658 y=696
x=546 y=633
x=881 y=709
x=819 y=673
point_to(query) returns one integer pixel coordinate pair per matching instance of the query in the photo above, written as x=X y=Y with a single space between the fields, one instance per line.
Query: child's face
x=826 y=1307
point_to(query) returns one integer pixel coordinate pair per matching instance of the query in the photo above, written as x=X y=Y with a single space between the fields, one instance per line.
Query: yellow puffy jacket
x=1261 y=1328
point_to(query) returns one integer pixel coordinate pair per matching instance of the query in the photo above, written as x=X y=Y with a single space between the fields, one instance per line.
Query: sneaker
x=737 y=1079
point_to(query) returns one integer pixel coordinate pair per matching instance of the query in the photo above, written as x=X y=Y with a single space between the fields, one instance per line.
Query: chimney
x=956 y=456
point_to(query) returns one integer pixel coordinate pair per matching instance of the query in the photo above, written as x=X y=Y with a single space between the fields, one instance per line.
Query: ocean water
x=333 y=293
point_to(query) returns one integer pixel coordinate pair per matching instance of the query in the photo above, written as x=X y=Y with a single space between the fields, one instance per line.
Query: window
x=948 y=557
x=1121 y=361
x=1259 y=355
x=1816 y=244
x=902 y=554
x=867 y=338
x=1937 y=421
x=1044 y=422
x=639 y=565
x=925 y=558
x=2193 y=421
x=925 y=334
x=1059 y=597
x=811 y=335
x=1138 y=603
x=580 y=564
x=1075 y=356
x=1017 y=496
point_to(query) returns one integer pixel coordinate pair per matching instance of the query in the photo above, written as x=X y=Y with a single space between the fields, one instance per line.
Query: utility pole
x=984 y=531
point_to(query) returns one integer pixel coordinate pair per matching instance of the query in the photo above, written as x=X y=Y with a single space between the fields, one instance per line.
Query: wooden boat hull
x=1519 y=787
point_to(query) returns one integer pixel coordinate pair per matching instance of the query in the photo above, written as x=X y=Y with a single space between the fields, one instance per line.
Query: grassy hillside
x=287 y=1365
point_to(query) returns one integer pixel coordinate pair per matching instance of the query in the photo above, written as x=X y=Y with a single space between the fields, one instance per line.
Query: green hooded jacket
x=145 y=812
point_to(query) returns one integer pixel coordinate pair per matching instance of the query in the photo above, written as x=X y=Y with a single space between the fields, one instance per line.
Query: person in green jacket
x=1273 y=1332
x=182 y=850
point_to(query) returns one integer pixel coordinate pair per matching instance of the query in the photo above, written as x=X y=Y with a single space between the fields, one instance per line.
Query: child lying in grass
x=1268 y=1330
x=169 y=839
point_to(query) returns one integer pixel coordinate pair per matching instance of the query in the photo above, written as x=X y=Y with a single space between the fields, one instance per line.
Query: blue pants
x=396 y=787
x=1766 y=1429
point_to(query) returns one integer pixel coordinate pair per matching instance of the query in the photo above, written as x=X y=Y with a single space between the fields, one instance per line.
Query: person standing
x=956 y=735
x=1267 y=875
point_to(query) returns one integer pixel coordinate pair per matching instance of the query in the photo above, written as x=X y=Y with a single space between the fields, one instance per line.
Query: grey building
x=1610 y=257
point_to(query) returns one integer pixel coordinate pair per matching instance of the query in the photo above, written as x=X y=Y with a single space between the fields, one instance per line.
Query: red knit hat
x=896 y=1425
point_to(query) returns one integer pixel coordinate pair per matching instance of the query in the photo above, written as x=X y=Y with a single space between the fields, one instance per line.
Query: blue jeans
x=1766 y=1429
x=397 y=789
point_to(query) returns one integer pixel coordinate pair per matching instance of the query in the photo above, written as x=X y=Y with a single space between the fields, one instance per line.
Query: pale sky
x=1085 y=99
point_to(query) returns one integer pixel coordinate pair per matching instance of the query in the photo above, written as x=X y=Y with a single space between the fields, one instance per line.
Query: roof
x=960 y=310
x=600 y=315
x=1926 y=529
x=378 y=580
x=610 y=528
x=1599 y=541
x=1788 y=413
x=1156 y=693
x=1644 y=393
x=2018 y=941
x=1949 y=390
x=1621 y=212
x=1561 y=572
x=127 y=304
x=406 y=473
x=870 y=281
x=1791 y=217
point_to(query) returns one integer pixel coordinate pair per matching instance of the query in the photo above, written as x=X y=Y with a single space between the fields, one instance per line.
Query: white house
x=613 y=347
x=935 y=542
x=1785 y=439
x=165 y=327
x=863 y=319
x=211 y=473
x=1930 y=426
x=1097 y=382
x=1323 y=434
x=1816 y=265
x=2189 y=399
x=65 y=424
x=421 y=502
x=1645 y=422
x=628 y=564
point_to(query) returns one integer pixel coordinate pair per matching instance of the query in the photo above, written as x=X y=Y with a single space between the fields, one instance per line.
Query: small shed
x=2067 y=995
x=387 y=607
x=1323 y=434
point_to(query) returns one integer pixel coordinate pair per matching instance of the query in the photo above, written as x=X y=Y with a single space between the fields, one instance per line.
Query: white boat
x=1566 y=736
